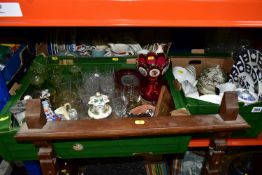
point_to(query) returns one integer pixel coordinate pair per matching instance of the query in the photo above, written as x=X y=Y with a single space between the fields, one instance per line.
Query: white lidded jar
x=99 y=108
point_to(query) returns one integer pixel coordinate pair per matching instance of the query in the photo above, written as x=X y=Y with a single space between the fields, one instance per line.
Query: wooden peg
x=34 y=114
x=229 y=106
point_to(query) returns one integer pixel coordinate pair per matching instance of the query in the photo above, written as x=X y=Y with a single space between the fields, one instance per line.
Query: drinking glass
x=91 y=83
x=119 y=107
x=131 y=95
x=107 y=83
x=65 y=93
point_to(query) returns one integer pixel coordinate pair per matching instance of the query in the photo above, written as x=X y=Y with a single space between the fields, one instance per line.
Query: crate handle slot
x=195 y=62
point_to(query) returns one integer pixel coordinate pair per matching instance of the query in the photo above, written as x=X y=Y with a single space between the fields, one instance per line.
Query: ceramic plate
x=244 y=76
x=249 y=55
x=259 y=60
x=259 y=83
x=253 y=58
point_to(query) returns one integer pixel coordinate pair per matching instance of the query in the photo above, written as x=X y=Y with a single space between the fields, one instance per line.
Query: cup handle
x=67 y=106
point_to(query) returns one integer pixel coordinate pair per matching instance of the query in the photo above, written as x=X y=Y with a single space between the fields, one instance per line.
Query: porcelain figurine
x=99 y=109
x=210 y=78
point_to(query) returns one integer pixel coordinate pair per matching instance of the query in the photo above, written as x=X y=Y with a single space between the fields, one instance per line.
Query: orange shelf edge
x=230 y=142
x=155 y=13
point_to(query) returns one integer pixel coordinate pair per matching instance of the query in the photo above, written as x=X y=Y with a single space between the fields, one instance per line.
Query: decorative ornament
x=99 y=109
x=152 y=66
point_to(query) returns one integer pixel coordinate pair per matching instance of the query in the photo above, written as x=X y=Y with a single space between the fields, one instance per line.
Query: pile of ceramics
x=106 y=50
x=245 y=78
x=210 y=85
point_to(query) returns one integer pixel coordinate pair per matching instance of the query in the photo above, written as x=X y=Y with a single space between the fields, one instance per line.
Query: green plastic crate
x=201 y=107
x=12 y=150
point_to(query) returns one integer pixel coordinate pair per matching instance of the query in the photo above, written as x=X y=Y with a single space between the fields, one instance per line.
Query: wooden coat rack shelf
x=42 y=134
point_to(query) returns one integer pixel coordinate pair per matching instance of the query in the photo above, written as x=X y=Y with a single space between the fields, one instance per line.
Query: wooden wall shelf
x=154 y=13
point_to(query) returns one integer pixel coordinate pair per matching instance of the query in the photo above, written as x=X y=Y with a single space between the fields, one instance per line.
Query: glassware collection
x=75 y=92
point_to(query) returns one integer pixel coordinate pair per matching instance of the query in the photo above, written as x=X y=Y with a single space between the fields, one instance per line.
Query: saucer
x=246 y=96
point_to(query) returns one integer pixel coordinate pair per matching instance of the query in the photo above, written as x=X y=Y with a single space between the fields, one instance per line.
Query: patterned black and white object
x=247 y=71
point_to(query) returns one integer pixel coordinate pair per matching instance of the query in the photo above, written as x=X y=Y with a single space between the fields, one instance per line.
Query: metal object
x=148 y=113
x=78 y=147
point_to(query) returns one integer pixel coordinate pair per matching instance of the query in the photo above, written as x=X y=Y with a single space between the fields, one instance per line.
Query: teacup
x=63 y=110
x=98 y=53
x=99 y=50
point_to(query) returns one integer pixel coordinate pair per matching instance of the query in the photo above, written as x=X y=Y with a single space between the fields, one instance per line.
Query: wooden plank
x=133 y=127
x=111 y=128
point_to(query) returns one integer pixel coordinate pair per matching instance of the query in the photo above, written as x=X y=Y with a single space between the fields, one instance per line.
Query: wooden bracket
x=229 y=106
x=34 y=116
x=46 y=157
x=217 y=150
x=47 y=161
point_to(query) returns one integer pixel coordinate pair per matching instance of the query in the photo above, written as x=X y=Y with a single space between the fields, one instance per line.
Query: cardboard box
x=201 y=63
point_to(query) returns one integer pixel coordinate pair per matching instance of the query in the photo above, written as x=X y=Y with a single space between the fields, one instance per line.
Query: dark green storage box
x=12 y=150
